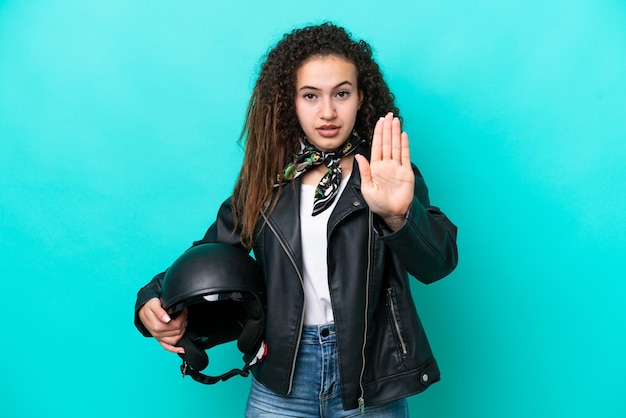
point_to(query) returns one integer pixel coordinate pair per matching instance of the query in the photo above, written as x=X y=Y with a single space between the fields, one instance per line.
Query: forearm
x=425 y=243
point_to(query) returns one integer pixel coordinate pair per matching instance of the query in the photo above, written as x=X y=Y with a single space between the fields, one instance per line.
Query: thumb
x=364 y=168
x=165 y=317
x=158 y=310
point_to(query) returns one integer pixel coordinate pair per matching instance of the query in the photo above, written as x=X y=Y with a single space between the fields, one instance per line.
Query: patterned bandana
x=310 y=156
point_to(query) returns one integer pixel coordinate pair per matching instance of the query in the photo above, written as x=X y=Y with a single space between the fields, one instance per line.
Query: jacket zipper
x=392 y=308
x=293 y=262
x=361 y=399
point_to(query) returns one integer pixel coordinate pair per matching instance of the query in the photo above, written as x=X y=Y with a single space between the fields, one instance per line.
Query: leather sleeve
x=426 y=244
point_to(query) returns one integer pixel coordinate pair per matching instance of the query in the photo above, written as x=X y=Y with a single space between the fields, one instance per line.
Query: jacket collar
x=285 y=218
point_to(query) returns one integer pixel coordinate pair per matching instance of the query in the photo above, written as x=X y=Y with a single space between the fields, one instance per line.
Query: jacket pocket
x=394 y=318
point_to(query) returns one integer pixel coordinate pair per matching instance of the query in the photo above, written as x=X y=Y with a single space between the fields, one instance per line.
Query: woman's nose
x=327 y=110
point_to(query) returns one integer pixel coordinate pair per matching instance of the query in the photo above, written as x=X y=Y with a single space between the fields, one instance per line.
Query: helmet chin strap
x=209 y=380
x=196 y=358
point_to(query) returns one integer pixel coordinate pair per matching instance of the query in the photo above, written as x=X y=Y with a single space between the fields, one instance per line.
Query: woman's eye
x=309 y=96
x=343 y=94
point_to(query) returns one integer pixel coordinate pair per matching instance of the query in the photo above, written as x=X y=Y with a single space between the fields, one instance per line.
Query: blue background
x=118 y=129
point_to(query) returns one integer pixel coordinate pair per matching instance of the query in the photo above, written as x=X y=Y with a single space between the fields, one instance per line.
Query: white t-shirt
x=317 y=305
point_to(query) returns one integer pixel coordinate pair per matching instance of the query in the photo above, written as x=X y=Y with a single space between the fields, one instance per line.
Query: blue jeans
x=316 y=388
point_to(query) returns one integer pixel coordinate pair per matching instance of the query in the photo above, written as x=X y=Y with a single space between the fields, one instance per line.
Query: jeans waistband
x=318 y=334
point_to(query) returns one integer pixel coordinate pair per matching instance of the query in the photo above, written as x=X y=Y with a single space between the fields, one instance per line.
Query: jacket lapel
x=351 y=198
x=285 y=219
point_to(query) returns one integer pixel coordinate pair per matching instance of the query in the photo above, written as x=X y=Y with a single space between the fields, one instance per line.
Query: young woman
x=338 y=217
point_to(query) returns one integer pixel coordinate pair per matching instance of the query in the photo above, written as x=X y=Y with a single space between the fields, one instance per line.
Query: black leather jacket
x=383 y=350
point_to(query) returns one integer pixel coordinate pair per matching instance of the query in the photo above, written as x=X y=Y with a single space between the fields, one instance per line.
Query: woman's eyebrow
x=317 y=88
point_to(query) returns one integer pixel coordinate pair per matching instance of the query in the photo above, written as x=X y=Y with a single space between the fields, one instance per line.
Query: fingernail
x=166 y=318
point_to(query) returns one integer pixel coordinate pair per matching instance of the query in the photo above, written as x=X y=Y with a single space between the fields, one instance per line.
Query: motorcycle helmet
x=222 y=288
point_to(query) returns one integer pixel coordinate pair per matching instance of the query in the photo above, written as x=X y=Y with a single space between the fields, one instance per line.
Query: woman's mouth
x=328 y=131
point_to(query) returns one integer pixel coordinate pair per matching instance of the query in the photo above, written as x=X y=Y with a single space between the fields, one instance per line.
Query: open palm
x=387 y=181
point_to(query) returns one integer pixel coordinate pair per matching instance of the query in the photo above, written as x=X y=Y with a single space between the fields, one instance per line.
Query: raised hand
x=387 y=181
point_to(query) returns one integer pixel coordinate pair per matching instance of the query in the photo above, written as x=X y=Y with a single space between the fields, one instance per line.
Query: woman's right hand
x=165 y=330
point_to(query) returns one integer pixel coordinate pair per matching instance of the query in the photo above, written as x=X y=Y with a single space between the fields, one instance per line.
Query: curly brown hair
x=271 y=131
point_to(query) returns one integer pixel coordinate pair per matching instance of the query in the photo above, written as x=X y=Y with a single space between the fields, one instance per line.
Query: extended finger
x=406 y=155
x=387 y=136
x=396 y=140
x=377 y=140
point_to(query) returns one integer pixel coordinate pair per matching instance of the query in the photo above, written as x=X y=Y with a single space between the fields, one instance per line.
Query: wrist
x=395 y=222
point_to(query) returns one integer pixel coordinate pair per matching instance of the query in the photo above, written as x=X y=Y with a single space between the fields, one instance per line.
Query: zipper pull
x=362 y=406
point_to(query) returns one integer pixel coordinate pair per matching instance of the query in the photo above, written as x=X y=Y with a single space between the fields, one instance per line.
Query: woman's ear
x=360 y=99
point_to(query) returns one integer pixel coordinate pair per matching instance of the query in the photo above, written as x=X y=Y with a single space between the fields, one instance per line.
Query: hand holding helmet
x=212 y=294
x=165 y=330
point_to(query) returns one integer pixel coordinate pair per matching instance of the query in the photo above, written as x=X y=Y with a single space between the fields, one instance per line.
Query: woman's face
x=327 y=100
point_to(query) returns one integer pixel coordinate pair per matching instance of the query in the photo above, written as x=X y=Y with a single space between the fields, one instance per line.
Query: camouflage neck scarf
x=310 y=156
